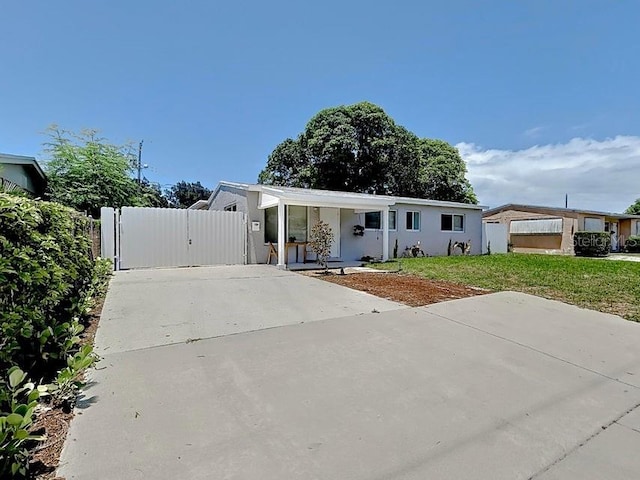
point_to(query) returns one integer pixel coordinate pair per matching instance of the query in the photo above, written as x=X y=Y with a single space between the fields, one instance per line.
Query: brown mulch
x=408 y=289
x=54 y=421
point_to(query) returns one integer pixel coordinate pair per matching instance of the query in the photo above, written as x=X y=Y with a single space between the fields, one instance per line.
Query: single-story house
x=24 y=173
x=550 y=229
x=364 y=225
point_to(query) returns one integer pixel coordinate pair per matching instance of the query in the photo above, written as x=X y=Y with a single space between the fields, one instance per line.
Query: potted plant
x=358 y=230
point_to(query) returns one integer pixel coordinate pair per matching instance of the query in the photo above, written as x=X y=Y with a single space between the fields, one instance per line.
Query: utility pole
x=140 y=162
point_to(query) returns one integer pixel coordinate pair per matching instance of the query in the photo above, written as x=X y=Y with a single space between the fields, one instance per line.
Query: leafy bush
x=45 y=274
x=632 y=245
x=21 y=399
x=48 y=283
x=592 y=244
x=68 y=382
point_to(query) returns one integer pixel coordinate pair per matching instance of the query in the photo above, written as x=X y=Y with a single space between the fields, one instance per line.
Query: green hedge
x=632 y=245
x=592 y=244
x=45 y=274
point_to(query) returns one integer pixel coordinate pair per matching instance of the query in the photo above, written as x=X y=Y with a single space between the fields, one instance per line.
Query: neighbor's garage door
x=167 y=237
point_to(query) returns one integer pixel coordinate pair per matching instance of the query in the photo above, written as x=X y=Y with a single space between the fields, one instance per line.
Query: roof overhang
x=38 y=176
x=199 y=205
x=557 y=211
x=271 y=195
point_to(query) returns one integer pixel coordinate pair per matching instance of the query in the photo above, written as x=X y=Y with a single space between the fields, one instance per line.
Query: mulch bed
x=54 y=421
x=408 y=289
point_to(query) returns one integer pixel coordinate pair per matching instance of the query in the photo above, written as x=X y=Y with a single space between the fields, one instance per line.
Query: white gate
x=494 y=237
x=166 y=237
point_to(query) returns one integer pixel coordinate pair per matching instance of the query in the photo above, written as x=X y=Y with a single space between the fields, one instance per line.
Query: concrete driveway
x=503 y=386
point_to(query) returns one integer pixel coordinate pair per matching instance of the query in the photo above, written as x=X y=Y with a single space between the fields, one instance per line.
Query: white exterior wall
x=433 y=241
x=247 y=203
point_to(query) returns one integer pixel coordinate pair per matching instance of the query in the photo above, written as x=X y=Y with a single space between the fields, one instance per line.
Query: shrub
x=47 y=285
x=16 y=417
x=45 y=274
x=592 y=244
x=632 y=245
x=321 y=239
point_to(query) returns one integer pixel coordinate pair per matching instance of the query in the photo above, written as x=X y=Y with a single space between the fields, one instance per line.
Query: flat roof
x=554 y=210
x=312 y=195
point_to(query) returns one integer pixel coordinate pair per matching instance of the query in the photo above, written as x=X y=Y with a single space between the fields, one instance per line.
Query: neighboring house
x=549 y=229
x=200 y=205
x=17 y=171
x=283 y=216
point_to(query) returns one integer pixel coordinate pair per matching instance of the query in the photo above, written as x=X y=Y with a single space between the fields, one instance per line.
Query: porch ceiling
x=266 y=200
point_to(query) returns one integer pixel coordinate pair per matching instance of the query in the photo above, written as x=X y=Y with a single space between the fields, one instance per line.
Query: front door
x=332 y=217
x=614 y=236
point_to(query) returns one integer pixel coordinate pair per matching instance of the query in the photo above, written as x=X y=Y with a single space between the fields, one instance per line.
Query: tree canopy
x=184 y=194
x=86 y=172
x=634 y=209
x=359 y=148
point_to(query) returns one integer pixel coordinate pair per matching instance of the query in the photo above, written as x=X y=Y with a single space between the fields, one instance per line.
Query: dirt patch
x=408 y=289
x=54 y=423
x=53 y=420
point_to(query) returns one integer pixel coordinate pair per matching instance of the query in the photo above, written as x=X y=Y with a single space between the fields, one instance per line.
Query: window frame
x=232 y=207
x=306 y=221
x=395 y=218
x=266 y=241
x=413 y=220
x=379 y=221
x=453 y=223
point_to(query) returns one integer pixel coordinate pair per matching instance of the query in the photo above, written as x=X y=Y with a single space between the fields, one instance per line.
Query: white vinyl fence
x=495 y=236
x=138 y=237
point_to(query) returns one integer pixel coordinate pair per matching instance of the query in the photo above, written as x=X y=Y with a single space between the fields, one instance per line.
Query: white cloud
x=598 y=175
x=534 y=132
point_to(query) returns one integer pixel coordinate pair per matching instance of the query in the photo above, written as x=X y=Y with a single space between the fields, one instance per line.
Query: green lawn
x=604 y=285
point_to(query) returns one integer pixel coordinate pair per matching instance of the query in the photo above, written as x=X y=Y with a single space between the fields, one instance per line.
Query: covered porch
x=290 y=215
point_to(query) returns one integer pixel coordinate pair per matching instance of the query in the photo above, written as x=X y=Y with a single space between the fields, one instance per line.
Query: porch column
x=282 y=250
x=385 y=234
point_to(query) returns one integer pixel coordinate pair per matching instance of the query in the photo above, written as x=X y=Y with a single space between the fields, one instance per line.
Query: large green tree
x=634 y=209
x=359 y=148
x=184 y=194
x=86 y=172
x=443 y=172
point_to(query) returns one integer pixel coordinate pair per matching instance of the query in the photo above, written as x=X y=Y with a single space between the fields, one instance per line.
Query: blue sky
x=540 y=96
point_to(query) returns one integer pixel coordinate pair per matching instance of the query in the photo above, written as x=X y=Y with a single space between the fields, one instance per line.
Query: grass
x=603 y=285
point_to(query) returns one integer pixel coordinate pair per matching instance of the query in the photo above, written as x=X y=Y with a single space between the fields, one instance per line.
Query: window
x=413 y=221
x=451 y=223
x=538 y=226
x=231 y=208
x=372 y=220
x=271 y=225
x=593 y=224
x=297 y=223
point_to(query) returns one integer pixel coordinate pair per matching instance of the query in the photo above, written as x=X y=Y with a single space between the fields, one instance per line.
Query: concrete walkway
x=503 y=386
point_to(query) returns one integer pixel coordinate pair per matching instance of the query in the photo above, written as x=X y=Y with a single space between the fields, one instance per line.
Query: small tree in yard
x=321 y=240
